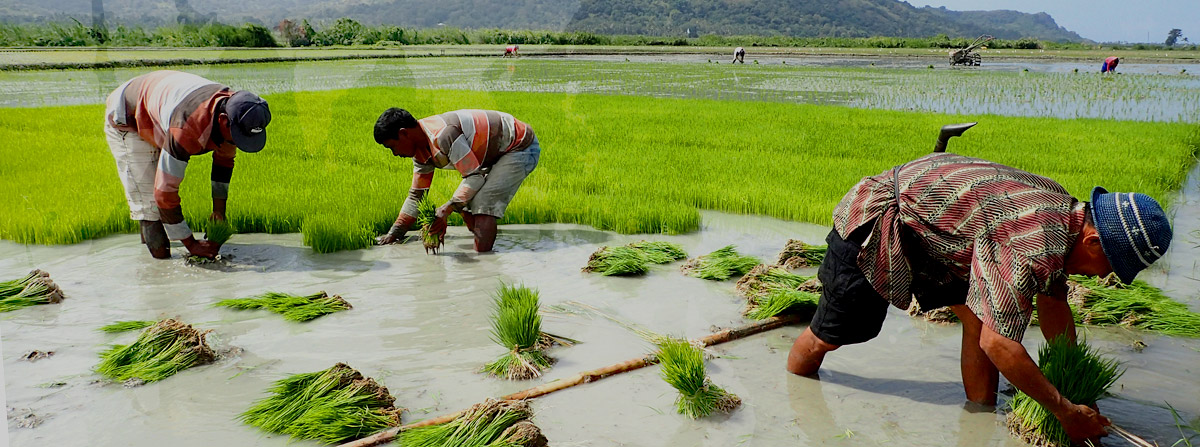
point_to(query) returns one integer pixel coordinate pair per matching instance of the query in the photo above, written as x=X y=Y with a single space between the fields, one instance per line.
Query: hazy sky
x=1101 y=20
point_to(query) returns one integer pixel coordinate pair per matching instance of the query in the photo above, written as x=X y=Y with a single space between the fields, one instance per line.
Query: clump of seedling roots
x=798 y=254
x=167 y=347
x=32 y=289
x=1106 y=301
x=333 y=405
x=517 y=326
x=426 y=215
x=683 y=368
x=293 y=307
x=492 y=423
x=126 y=326
x=1079 y=373
x=719 y=265
x=634 y=258
x=941 y=315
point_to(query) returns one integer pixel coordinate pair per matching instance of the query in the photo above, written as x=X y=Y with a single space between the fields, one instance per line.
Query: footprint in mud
x=25 y=418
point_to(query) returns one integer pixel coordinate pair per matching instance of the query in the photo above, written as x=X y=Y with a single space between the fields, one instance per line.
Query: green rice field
x=627 y=163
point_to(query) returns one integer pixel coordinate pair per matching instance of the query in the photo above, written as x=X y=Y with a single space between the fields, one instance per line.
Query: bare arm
x=1055 y=317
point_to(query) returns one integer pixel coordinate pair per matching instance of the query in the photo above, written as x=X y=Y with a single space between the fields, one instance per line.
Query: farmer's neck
x=1087 y=255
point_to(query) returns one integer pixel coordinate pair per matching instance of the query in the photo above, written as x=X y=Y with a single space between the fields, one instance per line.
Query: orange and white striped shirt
x=468 y=141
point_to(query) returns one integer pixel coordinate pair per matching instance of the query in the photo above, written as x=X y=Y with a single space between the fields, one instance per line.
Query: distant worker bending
x=155 y=123
x=1110 y=65
x=739 y=55
x=493 y=152
x=511 y=51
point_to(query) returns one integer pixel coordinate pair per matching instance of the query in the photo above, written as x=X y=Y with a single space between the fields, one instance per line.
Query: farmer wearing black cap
x=993 y=243
x=154 y=124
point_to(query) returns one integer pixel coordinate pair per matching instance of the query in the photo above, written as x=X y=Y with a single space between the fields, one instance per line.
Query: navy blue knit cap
x=1133 y=228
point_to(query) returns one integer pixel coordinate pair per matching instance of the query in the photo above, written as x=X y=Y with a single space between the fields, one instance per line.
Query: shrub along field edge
x=620 y=163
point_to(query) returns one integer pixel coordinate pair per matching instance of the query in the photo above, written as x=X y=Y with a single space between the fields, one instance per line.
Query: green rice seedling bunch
x=1106 y=301
x=299 y=308
x=333 y=405
x=780 y=301
x=617 y=261
x=34 y=289
x=659 y=252
x=426 y=215
x=764 y=278
x=683 y=368
x=798 y=254
x=492 y=423
x=126 y=326
x=218 y=231
x=517 y=326
x=15 y=286
x=162 y=350
x=720 y=265
x=1080 y=373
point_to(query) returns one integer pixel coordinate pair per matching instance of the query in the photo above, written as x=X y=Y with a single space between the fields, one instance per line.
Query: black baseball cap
x=248 y=119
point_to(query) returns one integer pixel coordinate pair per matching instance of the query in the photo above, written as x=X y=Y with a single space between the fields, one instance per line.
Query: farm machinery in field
x=967 y=55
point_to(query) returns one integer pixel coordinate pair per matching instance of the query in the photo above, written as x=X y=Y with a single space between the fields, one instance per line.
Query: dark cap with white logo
x=248 y=119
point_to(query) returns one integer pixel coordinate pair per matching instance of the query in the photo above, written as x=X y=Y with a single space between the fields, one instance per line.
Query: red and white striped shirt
x=1005 y=231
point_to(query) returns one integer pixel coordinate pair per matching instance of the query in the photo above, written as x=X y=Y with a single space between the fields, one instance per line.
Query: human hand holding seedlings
x=1083 y=424
x=204 y=249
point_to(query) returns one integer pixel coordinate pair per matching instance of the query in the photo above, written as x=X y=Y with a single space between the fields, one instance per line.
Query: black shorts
x=850 y=310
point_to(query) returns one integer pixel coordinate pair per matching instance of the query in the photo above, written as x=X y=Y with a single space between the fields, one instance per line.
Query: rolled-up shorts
x=503 y=180
x=137 y=164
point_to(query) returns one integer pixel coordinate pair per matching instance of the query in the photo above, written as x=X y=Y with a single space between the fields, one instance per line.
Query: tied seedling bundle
x=299 y=308
x=797 y=254
x=493 y=423
x=33 y=289
x=1079 y=373
x=719 y=265
x=426 y=214
x=1106 y=301
x=334 y=405
x=634 y=258
x=763 y=278
x=780 y=301
x=517 y=326
x=126 y=326
x=683 y=368
x=164 y=349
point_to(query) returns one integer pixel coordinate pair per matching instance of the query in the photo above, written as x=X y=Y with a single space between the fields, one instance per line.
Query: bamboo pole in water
x=586 y=377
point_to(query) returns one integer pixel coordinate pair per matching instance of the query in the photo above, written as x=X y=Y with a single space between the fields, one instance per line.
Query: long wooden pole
x=585 y=377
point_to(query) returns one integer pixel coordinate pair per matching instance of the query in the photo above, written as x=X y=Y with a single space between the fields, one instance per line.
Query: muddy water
x=420 y=326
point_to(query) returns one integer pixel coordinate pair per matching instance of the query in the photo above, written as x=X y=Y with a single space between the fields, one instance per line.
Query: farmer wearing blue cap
x=154 y=124
x=992 y=242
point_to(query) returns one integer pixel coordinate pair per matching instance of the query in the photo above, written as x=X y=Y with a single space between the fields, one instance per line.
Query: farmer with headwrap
x=154 y=124
x=1110 y=64
x=992 y=242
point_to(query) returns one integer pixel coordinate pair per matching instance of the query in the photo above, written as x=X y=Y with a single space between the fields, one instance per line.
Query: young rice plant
x=720 y=265
x=1105 y=302
x=798 y=254
x=780 y=301
x=218 y=231
x=763 y=278
x=334 y=405
x=683 y=368
x=517 y=326
x=1080 y=373
x=492 y=423
x=164 y=349
x=426 y=215
x=126 y=326
x=32 y=289
x=633 y=258
x=299 y=308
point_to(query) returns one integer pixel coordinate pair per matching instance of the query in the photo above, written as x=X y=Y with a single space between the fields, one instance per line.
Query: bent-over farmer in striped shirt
x=492 y=151
x=154 y=124
x=992 y=242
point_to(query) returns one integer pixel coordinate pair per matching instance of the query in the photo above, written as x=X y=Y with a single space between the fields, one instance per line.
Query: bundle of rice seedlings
x=218 y=231
x=1080 y=374
x=492 y=423
x=634 y=258
x=683 y=368
x=125 y=326
x=426 y=214
x=517 y=326
x=797 y=254
x=334 y=405
x=780 y=301
x=32 y=289
x=941 y=315
x=764 y=278
x=719 y=265
x=293 y=307
x=164 y=349
x=1106 y=301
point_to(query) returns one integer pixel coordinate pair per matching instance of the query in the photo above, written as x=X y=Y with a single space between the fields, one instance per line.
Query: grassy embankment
x=626 y=164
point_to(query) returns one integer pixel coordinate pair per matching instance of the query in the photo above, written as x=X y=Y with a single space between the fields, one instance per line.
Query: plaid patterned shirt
x=1005 y=231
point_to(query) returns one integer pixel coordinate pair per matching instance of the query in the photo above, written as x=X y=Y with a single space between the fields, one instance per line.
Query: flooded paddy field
x=1142 y=92
x=420 y=326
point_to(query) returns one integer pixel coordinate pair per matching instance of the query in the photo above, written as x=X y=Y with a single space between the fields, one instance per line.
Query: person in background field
x=493 y=152
x=511 y=51
x=154 y=124
x=993 y=243
x=739 y=55
x=1110 y=64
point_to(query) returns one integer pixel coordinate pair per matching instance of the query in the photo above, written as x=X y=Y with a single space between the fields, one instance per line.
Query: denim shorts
x=503 y=179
